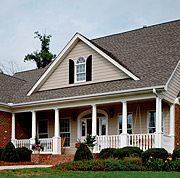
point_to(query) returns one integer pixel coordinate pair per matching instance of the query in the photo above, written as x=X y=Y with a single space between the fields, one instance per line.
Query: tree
x=43 y=57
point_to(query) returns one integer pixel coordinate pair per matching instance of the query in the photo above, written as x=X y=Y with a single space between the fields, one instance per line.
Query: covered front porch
x=147 y=123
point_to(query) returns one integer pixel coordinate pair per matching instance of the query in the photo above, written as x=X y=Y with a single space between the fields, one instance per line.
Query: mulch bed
x=3 y=163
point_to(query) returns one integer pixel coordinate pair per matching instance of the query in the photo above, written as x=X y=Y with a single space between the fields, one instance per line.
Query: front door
x=86 y=127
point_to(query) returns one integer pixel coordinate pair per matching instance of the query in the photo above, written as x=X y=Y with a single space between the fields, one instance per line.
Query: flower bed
x=99 y=165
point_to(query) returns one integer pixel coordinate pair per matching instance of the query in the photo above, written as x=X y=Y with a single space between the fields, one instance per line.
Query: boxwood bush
x=24 y=154
x=83 y=153
x=10 y=154
x=1 y=150
x=107 y=153
x=155 y=153
x=176 y=154
x=127 y=152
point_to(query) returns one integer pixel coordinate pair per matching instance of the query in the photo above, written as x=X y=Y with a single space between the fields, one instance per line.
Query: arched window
x=80 y=70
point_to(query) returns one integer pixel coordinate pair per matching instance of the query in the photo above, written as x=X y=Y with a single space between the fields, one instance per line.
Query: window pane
x=129 y=121
x=80 y=60
x=43 y=135
x=43 y=126
x=65 y=130
x=81 y=77
x=83 y=128
x=103 y=129
x=152 y=121
x=120 y=121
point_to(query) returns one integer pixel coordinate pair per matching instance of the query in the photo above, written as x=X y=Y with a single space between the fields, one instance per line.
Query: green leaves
x=44 y=56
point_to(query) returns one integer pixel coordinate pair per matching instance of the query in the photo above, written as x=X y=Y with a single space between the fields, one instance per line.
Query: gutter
x=74 y=98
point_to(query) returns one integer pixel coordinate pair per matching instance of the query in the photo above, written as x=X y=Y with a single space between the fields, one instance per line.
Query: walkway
x=24 y=166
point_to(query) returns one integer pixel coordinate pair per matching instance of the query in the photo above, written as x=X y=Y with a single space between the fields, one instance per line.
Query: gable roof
x=150 y=53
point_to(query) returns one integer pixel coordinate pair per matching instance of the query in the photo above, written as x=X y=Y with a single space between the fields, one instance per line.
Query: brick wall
x=177 y=126
x=5 y=128
x=49 y=159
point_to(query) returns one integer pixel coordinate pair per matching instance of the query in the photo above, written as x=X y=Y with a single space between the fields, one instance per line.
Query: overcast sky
x=19 y=19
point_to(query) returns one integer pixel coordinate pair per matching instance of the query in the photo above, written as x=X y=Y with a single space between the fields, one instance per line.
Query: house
x=123 y=88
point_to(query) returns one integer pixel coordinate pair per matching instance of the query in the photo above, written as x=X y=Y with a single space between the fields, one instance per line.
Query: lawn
x=46 y=172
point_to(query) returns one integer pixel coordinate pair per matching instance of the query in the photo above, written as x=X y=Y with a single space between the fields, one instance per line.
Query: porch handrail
x=22 y=143
x=47 y=143
x=108 y=141
x=143 y=141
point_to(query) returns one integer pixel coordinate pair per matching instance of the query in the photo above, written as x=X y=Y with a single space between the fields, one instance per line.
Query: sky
x=19 y=19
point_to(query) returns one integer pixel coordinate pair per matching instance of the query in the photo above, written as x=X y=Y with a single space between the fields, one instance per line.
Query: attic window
x=80 y=70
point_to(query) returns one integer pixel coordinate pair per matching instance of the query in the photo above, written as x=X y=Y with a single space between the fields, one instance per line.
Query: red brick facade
x=5 y=128
x=177 y=126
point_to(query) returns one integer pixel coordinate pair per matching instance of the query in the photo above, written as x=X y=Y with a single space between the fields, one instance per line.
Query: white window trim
x=47 y=127
x=75 y=73
x=118 y=122
x=67 y=132
x=155 y=119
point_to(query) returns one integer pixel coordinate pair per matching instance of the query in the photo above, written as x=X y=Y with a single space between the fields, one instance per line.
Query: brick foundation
x=49 y=159
x=5 y=128
x=177 y=126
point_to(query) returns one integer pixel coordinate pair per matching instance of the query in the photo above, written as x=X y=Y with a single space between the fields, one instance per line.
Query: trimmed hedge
x=83 y=153
x=120 y=153
x=10 y=154
x=107 y=153
x=155 y=153
x=176 y=154
x=24 y=154
x=127 y=152
x=1 y=150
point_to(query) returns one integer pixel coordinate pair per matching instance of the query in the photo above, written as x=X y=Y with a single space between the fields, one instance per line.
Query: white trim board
x=66 y=50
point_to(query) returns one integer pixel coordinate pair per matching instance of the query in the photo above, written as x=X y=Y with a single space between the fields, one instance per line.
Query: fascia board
x=87 y=96
x=166 y=86
x=67 y=48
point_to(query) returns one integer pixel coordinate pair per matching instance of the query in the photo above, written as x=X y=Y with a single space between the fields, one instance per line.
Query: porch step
x=49 y=159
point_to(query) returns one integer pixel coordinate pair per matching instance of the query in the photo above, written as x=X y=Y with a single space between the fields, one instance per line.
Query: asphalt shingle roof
x=150 y=53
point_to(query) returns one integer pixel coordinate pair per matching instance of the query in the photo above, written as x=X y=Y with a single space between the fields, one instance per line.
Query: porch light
x=111 y=112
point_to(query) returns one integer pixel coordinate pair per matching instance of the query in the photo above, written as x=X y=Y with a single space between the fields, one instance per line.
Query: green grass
x=46 y=172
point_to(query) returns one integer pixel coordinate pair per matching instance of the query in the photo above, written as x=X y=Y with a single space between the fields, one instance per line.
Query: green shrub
x=83 y=153
x=10 y=154
x=24 y=154
x=99 y=165
x=1 y=150
x=127 y=152
x=107 y=153
x=133 y=160
x=159 y=153
x=176 y=154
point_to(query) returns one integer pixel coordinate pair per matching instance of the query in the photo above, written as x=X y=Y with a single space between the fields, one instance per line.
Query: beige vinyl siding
x=173 y=87
x=102 y=69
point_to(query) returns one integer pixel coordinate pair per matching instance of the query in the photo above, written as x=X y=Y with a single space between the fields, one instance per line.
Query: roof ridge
x=142 y=28
x=12 y=77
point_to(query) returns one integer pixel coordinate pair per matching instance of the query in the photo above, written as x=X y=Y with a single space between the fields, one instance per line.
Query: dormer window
x=80 y=70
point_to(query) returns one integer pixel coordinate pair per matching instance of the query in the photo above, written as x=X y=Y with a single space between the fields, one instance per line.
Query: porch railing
x=22 y=143
x=109 y=141
x=47 y=143
x=143 y=141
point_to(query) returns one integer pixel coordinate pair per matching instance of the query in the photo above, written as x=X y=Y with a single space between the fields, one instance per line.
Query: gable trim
x=75 y=39
x=166 y=86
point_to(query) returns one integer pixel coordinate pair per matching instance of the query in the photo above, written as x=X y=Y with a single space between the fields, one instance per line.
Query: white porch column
x=13 y=129
x=158 y=143
x=94 y=120
x=32 y=139
x=172 y=127
x=56 y=138
x=124 y=140
x=172 y=115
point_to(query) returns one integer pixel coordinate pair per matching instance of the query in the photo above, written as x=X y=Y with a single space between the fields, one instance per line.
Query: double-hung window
x=152 y=121
x=80 y=69
x=43 y=129
x=65 y=131
x=129 y=123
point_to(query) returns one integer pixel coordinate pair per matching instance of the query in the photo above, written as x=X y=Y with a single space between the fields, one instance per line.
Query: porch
x=116 y=125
